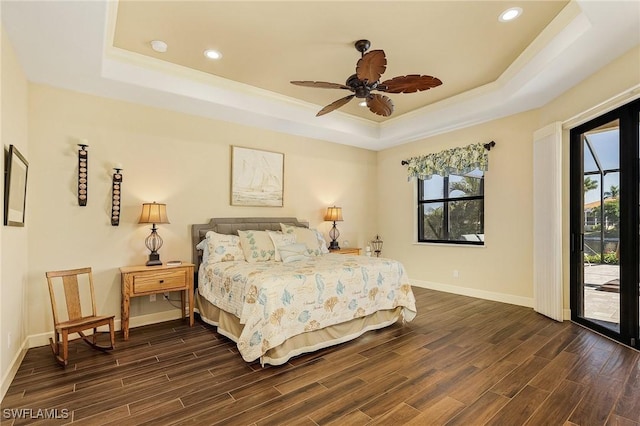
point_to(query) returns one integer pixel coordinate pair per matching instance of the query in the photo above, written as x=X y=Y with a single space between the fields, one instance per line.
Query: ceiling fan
x=369 y=69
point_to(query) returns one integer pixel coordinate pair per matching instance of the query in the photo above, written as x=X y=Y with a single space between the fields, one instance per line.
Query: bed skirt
x=229 y=326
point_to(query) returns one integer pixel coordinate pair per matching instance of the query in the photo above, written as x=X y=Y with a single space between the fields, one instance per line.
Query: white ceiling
x=489 y=69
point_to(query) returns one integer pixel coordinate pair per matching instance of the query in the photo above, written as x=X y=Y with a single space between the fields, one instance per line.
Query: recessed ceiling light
x=363 y=103
x=159 y=46
x=510 y=14
x=212 y=54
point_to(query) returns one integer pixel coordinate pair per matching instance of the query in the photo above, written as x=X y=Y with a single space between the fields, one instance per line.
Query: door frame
x=629 y=120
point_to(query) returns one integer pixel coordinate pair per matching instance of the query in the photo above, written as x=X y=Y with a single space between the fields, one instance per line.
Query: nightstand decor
x=377 y=245
x=154 y=213
x=334 y=214
x=83 y=174
x=144 y=281
x=116 y=195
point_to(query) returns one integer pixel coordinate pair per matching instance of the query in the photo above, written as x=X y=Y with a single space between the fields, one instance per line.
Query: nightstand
x=347 y=250
x=146 y=280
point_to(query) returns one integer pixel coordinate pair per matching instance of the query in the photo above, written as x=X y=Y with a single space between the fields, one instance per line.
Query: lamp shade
x=334 y=214
x=154 y=213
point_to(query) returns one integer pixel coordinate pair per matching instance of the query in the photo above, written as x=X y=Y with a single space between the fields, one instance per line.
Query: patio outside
x=601 y=295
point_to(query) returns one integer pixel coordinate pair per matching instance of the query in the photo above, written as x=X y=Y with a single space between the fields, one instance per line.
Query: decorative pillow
x=324 y=248
x=221 y=248
x=204 y=247
x=279 y=239
x=306 y=236
x=293 y=252
x=257 y=246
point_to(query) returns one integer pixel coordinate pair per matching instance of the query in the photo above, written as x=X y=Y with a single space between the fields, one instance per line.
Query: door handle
x=577 y=240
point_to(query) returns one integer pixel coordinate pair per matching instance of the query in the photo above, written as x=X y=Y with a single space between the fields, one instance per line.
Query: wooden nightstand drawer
x=353 y=250
x=159 y=281
x=148 y=280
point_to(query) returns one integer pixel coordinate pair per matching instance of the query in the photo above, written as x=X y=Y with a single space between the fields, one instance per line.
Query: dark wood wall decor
x=83 y=175
x=116 y=196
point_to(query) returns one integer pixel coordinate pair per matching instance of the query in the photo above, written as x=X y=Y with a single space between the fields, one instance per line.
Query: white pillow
x=204 y=247
x=257 y=246
x=279 y=239
x=221 y=248
x=323 y=243
x=306 y=236
x=293 y=252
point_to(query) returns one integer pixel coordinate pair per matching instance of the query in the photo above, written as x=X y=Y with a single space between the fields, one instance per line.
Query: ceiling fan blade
x=371 y=66
x=380 y=104
x=321 y=84
x=334 y=105
x=409 y=84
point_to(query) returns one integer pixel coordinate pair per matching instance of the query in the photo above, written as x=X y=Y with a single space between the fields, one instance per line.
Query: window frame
x=446 y=200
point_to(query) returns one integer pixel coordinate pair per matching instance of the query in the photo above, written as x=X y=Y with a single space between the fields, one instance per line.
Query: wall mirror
x=15 y=187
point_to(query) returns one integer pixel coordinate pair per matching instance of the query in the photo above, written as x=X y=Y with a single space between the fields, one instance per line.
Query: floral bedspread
x=276 y=300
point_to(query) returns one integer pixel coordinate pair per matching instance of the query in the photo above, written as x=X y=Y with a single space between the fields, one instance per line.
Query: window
x=451 y=209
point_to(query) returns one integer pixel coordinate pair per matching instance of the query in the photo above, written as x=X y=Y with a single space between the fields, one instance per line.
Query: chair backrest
x=71 y=287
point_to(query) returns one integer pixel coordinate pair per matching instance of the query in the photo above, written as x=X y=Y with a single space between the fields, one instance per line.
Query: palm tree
x=613 y=192
x=589 y=184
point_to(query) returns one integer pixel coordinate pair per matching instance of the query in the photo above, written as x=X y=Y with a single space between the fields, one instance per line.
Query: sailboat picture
x=256 y=177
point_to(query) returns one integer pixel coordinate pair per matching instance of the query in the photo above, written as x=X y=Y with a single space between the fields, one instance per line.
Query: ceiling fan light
x=212 y=54
x=363 y=103
x=159 y=46
x=510 y=14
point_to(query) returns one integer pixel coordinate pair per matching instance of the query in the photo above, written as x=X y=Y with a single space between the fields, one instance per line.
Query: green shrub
x=592 y=258
x=609 y=258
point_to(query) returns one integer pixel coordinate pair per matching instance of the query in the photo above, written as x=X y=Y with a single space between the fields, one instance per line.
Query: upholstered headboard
x=231 y=226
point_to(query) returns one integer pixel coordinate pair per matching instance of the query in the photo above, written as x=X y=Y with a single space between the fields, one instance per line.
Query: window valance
x=455 y=161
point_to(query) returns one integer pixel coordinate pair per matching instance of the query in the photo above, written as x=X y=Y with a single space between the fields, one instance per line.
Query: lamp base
x=154 y=260
x=334 y=245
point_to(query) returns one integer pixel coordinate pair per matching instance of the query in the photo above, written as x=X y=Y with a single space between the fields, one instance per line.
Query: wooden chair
x=77 y=322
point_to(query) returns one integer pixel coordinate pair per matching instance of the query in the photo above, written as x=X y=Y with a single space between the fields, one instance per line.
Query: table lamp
x=334 y=214
x=153 y=213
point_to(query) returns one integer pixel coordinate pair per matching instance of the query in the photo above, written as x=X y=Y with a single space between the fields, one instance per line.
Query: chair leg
x=112 y=332
x=55 y=348
x=65 y=348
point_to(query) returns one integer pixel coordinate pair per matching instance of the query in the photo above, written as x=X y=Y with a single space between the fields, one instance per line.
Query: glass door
x=605 y=215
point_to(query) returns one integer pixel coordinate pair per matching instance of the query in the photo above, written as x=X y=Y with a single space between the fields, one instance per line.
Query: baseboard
x=36 y=340
x=472 y=292
x=566 y=314
x=13 y=369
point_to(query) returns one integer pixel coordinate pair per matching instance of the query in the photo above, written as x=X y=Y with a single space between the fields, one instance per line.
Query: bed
x=306 y=300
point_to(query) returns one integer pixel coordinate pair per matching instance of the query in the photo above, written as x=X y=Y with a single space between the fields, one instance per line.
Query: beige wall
x=503 y=269
x=184 y=161
x=177 y=159
x=617 y=78
x=13 y=247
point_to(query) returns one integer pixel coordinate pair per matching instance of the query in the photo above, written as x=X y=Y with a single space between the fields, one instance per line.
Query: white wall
x=13 y=247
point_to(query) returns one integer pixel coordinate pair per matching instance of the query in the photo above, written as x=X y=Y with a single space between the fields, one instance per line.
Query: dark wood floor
x=462 y=361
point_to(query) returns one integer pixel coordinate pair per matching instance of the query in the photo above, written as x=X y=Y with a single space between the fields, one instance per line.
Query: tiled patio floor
x=601 y=305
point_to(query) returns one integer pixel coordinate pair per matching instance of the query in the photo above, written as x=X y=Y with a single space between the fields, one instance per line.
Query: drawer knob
x=161 y=281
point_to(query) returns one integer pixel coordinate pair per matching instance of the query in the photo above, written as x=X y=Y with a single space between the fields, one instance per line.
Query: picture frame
x=257 y=177
x=15 y=187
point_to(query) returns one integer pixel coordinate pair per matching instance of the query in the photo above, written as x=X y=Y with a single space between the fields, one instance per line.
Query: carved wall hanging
x=83 y=175
x=116 y=196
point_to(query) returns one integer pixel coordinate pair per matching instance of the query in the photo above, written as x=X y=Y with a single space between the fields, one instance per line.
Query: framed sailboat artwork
x=257 y=177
